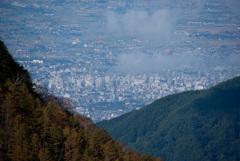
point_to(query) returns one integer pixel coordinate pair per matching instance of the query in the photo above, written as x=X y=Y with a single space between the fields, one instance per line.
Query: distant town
x=100 y=95
x=70 y=50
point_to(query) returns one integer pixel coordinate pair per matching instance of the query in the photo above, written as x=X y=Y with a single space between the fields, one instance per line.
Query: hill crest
x=193 y=125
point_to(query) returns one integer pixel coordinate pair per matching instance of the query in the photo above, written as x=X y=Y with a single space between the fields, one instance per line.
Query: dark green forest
x=36 y=127
x=192 y=125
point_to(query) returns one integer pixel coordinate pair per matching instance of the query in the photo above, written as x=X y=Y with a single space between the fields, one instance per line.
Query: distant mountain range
x=193 y=125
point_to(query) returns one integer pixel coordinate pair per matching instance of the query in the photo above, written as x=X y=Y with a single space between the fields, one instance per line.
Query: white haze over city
x=157 y=26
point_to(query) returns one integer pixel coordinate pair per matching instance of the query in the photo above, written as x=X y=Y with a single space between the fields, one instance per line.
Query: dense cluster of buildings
x=101 y=95
x=66 y=47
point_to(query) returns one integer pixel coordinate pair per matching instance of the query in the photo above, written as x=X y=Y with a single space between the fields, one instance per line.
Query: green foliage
x=193 y=125
x=33 y=128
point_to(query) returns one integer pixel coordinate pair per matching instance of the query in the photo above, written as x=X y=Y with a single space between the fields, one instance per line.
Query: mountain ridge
x=172 y=124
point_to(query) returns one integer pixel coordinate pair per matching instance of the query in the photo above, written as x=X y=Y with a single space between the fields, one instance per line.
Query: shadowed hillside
x=193 y=125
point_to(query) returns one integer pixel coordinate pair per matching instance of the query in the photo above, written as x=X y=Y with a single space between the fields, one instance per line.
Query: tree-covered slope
x=193 y=125
x=9 y=68
x=40 y=129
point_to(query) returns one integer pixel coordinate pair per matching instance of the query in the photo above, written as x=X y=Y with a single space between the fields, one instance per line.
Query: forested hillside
x=193 y=125
x=39 y=128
